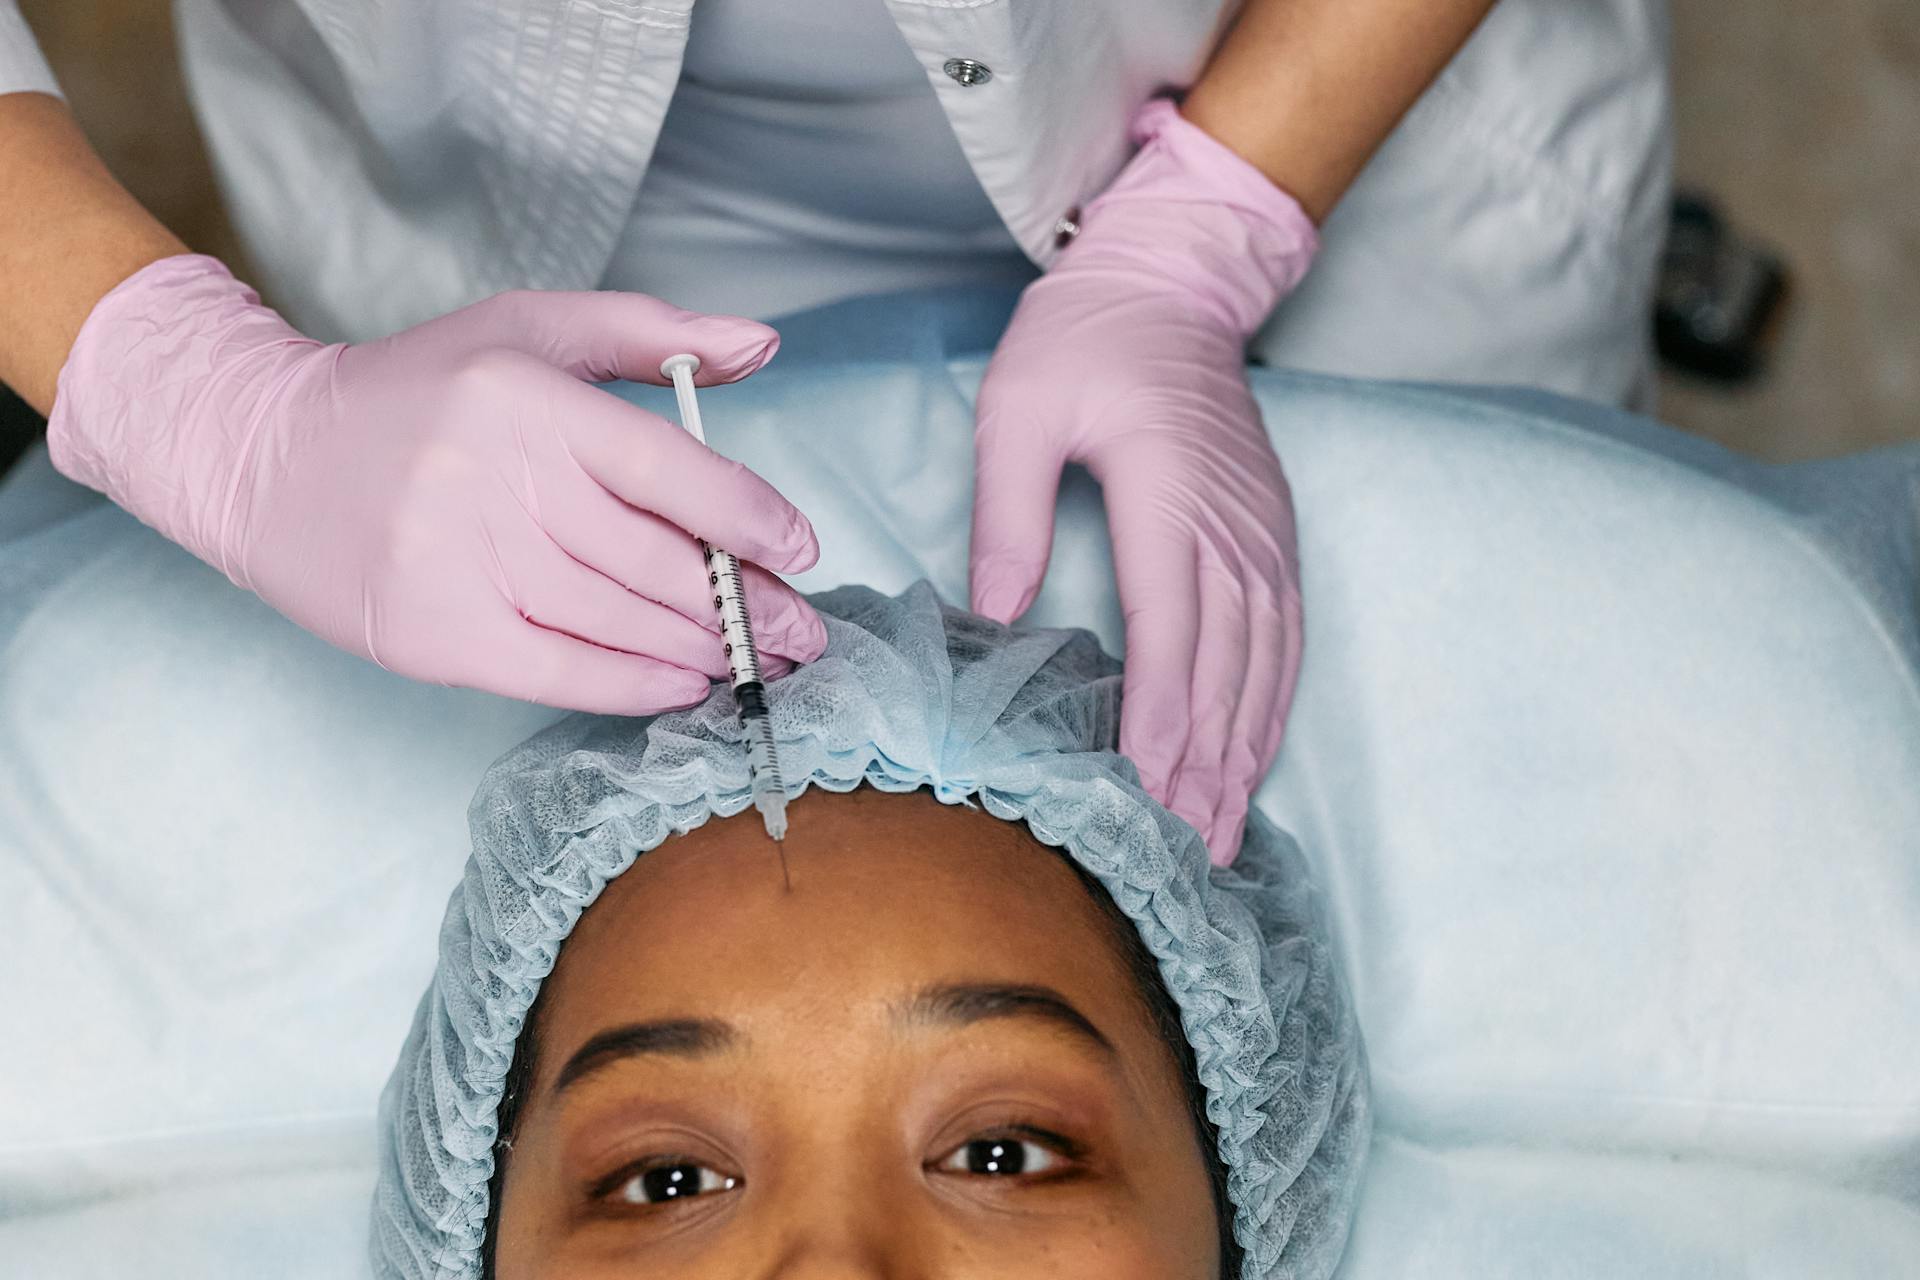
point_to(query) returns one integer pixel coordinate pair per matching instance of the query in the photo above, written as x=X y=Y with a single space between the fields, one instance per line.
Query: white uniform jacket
x=387 y=160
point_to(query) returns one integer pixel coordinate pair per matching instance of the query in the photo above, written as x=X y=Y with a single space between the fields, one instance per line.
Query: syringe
x=743 y=659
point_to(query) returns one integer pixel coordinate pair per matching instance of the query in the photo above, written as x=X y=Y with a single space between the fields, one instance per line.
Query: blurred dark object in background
x=1721 y=297
x=19 y=428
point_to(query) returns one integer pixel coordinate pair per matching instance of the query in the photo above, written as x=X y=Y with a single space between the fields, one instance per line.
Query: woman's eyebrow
x=681 y=1037
x=964 y=1003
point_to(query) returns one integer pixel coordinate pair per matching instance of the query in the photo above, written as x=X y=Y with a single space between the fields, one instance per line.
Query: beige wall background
x=1801 y=119
x=118 y=67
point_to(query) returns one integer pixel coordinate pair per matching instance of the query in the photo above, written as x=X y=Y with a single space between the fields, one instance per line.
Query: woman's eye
x=1001 y=1158
x=661 y=1183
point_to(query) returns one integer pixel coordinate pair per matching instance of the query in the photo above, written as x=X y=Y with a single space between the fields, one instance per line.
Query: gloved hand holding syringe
x=456 y=502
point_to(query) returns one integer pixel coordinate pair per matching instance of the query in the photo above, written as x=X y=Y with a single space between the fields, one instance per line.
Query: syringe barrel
x=736 y=631
x=764 y=767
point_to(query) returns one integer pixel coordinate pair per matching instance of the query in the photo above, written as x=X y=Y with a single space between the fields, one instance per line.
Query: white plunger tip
x=673 y=364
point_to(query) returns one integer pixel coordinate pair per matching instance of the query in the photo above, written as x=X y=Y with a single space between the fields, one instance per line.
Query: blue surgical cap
x=910 y=694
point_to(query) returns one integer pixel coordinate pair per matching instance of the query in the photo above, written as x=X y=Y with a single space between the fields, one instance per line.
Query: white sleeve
x=23 y=68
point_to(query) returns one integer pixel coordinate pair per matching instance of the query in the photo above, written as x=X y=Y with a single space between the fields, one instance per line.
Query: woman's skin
x=1305 y=90
x=838 y=1069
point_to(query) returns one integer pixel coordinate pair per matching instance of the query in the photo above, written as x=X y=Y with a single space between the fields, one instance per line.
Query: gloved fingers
x=1292 y=634
x=1229 y=833
x=1016 y=487
x=793 y=629
x=659 y=560
x=1223 y=660
x=553 y=590
x=650 y=463
x=1254 y=736
x=1160 y=600
x=603 y=336
x=1276 y=636
x=559 y=670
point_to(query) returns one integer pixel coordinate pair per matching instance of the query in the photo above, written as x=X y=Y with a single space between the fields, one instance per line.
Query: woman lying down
x=1004 y=1022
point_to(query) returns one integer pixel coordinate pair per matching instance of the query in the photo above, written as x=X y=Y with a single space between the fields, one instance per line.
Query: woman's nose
x=838 y=1247
x=849 y=1224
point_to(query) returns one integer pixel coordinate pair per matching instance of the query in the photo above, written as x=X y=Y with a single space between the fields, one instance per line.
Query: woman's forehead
x=884 y=894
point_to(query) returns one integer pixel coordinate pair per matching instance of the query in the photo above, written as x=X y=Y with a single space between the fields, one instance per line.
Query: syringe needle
x=779 y=844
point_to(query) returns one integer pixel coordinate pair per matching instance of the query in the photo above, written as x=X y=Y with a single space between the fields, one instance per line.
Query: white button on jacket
x=388 y=160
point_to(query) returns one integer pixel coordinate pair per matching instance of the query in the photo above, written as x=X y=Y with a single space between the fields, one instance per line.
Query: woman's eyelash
x=662 y=1180
x=996 y=1152
x=1059 y=1142
x=1023 y=1152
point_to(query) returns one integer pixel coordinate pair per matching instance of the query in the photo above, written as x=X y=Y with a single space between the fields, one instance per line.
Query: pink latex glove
x=1129 y=357
x=453 y=502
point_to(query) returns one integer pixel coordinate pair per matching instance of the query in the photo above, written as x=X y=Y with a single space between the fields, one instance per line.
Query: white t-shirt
x=804 y=159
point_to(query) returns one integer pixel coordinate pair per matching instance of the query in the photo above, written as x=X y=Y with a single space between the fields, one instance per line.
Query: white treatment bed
x=1607 y=748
